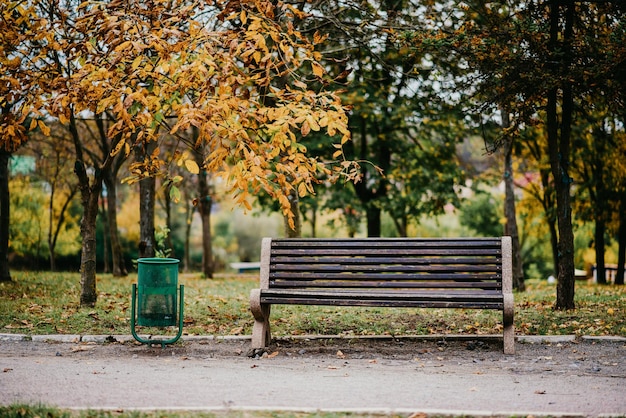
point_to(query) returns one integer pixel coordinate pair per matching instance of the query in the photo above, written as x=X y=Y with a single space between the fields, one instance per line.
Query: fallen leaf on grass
x=78 y=348
x=236 y=331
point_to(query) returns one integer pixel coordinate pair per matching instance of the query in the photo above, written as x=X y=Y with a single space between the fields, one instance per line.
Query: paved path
x=76 y=375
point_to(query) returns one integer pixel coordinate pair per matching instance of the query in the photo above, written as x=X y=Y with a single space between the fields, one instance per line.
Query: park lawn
x=37 y=411
x=48 y=303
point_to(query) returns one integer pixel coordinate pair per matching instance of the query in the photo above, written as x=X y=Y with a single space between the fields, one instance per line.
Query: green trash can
x=157 y=300
x=157 y=290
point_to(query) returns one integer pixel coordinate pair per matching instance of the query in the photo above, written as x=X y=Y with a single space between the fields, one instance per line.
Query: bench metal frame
x=474 y=273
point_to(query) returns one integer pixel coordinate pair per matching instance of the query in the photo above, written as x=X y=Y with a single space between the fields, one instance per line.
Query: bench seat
x=470 y=273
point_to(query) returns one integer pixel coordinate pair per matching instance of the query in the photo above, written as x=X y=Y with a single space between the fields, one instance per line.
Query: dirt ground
x=435 y=376
x=594 y=357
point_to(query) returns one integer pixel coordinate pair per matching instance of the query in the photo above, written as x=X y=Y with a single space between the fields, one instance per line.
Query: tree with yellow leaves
x=237 y=72
x=21 y=29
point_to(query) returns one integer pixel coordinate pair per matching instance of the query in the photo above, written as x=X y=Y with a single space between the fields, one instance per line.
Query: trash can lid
x=158 y=260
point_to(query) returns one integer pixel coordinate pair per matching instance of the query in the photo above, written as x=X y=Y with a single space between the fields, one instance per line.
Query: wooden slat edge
x=507 y=265
x=264 y=273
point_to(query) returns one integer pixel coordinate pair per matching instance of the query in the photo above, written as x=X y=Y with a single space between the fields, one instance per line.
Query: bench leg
x=261 y=335
x=509 y=329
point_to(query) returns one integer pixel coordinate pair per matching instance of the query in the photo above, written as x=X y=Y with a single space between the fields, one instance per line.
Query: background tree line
x=442 y=101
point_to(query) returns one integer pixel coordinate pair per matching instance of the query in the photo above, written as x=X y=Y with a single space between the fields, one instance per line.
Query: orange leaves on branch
x=243 y=86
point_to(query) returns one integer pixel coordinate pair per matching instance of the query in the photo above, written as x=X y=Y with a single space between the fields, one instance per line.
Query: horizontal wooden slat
x=373 y=284
x=352 y=258
x=381 y=276
x=484 y=294
x=469 y=299
x=386 y=242
x=375 y=251
x=398 y=268
x=428 y=272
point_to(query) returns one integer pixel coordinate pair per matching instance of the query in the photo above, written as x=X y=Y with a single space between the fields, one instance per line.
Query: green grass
x=37 y=411
x=48 y=303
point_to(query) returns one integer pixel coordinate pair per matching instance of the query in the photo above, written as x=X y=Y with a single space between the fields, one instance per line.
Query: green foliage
x=30 y=221
x=483 y=214
x=160 y=237
x=27 y=231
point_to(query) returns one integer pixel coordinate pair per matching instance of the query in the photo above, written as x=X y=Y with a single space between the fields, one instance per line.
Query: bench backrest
x=386 y=263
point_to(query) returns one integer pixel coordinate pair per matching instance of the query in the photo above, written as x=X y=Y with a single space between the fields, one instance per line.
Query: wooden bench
x=471 y=273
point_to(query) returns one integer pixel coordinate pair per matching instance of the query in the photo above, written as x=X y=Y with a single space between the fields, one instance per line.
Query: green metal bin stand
x=156 y=301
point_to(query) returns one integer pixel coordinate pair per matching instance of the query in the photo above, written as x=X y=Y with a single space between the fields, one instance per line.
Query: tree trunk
x=373 y=220
x=89 y=199
x=117 y=255
x=5 y=205
x=51 y=257
x=106 y=266
x=559 y=152
x=188 y=222
x=169 y=242
x=621 y=236
x=205 y=203
x=296 y=231
x=369 y=191
x=598 y=237
x=146 y=217
x=510 y=228
x=147 y=188
x=402 y=225
x=598 y=196
x=313 y=221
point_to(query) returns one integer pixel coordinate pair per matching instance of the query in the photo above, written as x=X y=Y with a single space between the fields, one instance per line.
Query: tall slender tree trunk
x=90 y=194
x=51 y=256
x=106 y=266
x=599 y=196
x=109 y=176
x=5 y=219
x=510 y=227
x=118 y=263
x=559 y=135
x=204 y=205
x=147 y=188
x=367 y=193
x=189 y=210
x=621 y=236
x=598 y=238
x=373 y=213
x=169 y=224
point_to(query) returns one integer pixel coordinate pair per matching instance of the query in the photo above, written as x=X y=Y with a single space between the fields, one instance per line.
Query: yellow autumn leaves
x=243 y=81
